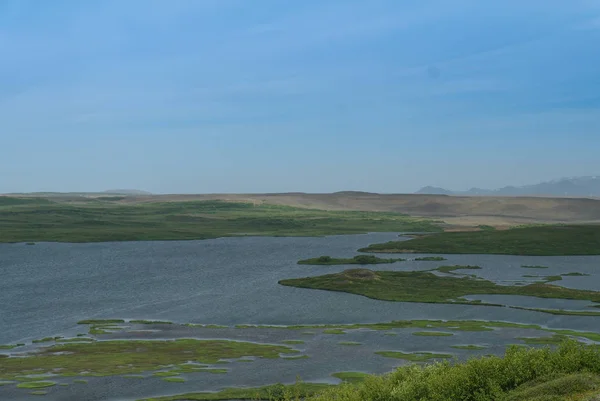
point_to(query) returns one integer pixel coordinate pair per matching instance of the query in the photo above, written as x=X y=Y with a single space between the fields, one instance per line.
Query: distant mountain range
x=574 y=186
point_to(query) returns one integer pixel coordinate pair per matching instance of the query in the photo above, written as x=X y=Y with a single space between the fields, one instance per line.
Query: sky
x=225 y=96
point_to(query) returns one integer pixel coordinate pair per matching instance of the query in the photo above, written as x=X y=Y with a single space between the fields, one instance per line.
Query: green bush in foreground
x=522 y=374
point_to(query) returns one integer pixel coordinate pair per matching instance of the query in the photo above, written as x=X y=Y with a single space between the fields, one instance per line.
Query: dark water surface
x=45 y=289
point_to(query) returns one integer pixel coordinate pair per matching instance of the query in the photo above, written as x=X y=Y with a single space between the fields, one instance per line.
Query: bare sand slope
x=457 y=210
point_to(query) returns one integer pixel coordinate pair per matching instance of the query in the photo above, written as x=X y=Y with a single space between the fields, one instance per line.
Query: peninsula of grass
x=556 y=240
x=427 y=287
x=432 y=334
x=106 y=358
x=298 y=391
x=413 y=356
x=356 y=260
x=35 y=220
x=351 y=377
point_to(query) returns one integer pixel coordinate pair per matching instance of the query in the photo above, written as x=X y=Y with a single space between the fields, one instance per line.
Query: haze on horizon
x=223 y=96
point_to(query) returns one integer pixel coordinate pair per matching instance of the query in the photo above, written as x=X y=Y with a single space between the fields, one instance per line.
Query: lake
x=45 y=289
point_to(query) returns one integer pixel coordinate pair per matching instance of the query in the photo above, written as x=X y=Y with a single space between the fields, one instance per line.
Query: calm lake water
x=45 y=289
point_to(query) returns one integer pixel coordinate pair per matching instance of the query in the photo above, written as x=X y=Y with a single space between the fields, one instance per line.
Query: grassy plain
x=33 y=219
x=550 y=240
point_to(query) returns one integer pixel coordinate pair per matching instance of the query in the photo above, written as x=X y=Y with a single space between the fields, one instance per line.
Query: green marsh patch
x=165 y=374
x=350 y=343
x=174 y=379
x=38 y=384
x=104 y=358
x=418 y=286
x=351 y=377
x=551 y=340
x=548 y=240
x=430 y=259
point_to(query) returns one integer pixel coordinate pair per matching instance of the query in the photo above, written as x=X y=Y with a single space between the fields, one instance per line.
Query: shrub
x=479 y=379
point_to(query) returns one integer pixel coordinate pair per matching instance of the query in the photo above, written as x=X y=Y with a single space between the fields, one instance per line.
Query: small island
x=419 y=286
x=357 y=260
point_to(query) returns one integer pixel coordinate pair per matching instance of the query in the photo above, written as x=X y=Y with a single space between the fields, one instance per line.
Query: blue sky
x=196 y=96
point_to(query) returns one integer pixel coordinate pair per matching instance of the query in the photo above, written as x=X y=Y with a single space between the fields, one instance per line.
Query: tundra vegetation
x=548 y=240
x=39 y=219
